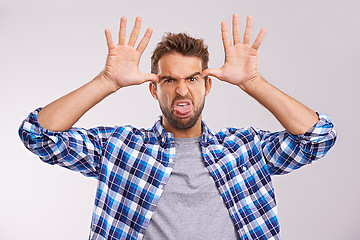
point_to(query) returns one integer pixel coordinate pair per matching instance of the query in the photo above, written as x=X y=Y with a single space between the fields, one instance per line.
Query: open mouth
x=183 y=108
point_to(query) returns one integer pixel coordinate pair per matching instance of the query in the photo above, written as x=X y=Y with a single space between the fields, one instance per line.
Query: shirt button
x=171 y=160
x=148 y=215
x=161 y=187
x=244 y=168
x=169 y=135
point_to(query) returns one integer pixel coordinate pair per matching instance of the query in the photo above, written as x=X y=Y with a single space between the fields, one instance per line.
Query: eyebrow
x=170 y=77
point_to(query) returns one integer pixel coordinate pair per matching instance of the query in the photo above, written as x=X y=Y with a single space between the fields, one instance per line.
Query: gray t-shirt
x=191 y=206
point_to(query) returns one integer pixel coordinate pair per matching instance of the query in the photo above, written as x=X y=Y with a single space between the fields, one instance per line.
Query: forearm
x=63 y=113
x=295 y=117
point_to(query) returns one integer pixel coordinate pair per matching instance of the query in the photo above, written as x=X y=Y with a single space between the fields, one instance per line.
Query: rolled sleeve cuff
x=33 y=127
x=321 y=131
x=319 y=139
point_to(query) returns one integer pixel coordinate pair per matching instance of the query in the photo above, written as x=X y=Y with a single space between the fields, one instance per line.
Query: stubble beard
x=179 y=123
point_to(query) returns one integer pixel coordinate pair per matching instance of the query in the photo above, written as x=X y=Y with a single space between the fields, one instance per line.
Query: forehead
x=178 y=65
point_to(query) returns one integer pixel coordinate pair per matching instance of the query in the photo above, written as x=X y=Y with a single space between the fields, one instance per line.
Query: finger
x=248 y=30
x=236 y=29
x=225 y=35
x=212 y=72
x=150 y=77
x=122 y=31
x=135 y=32
x=109 y=40
x=144 y=41
x=259 y=39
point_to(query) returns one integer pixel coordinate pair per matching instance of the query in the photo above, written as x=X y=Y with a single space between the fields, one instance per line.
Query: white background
x=310 y=51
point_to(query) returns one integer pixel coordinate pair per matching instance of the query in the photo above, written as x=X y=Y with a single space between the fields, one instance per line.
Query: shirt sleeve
x=76 y=149
x=285 y=152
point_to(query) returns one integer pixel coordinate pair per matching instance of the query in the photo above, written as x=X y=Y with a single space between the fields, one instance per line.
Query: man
x=178 y=179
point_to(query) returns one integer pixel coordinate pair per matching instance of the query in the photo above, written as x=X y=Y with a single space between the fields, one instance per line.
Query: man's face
x=181 y=91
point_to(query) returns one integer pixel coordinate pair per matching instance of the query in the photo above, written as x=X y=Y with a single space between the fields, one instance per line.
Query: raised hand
x=241 y=59
x=122 y=64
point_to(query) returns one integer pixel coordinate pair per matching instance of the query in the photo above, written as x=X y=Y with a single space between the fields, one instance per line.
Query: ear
x=208 y=86
x=153 y=89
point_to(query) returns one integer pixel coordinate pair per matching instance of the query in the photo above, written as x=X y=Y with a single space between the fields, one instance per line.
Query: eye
x=168 y=80
x=193 y=79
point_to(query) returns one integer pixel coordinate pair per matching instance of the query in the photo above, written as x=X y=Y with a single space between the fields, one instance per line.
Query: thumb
x=212 y=72
x=150 y=77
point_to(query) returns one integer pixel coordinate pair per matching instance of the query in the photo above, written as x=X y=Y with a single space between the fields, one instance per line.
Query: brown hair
x=180 y=43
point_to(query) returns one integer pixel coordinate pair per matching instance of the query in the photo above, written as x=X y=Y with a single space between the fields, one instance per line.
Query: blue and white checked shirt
x=133 y=166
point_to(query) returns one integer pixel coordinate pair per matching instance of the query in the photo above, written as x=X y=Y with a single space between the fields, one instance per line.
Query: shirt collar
x=163 y=136
x=206 y=135
x=159 y=131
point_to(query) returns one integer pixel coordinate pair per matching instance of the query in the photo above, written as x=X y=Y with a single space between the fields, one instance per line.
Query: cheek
x=164 y=98
x=199 y=94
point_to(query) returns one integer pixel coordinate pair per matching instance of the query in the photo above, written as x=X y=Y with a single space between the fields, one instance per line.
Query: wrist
x=246 y=86
x=106 y=83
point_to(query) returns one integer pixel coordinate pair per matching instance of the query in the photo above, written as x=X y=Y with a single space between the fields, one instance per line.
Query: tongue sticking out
x=183 y=110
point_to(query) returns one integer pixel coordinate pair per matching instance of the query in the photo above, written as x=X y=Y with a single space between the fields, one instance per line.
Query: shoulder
x=234 y=138
x=133 y=133
x=238 y=134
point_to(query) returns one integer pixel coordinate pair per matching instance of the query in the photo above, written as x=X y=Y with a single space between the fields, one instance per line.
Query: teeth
x=183 y=104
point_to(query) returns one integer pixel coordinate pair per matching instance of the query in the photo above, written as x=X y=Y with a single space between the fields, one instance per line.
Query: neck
x=194 y=131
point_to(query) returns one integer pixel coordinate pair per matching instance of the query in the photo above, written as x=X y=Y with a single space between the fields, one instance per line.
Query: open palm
x=122 y=64
x=241 y=59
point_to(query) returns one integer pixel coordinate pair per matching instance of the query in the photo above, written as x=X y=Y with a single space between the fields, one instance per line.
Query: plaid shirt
x=133 y=166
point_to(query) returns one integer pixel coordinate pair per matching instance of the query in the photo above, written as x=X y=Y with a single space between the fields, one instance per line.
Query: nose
x=182 y=89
